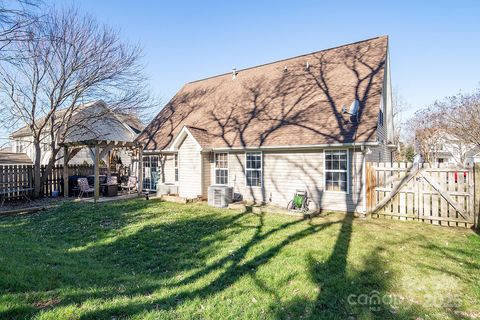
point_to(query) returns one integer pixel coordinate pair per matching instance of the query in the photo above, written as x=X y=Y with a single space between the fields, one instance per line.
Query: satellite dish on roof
x=354 y=107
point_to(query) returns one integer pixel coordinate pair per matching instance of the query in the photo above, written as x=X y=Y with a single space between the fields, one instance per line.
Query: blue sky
x=434 y=45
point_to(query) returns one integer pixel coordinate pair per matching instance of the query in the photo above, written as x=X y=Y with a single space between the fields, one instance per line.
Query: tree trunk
x=36 y=170
x=49 y=167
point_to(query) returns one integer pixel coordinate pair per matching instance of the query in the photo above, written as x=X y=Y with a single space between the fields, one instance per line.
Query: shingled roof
x=292 y=102
x=14 y=158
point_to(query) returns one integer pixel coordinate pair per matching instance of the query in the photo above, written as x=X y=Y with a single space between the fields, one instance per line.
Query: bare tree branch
x=69 y=59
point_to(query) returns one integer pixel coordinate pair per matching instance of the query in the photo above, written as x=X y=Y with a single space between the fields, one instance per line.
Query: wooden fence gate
x=435 y=194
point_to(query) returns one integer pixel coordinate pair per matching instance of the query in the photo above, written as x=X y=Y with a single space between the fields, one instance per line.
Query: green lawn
x=154 y=260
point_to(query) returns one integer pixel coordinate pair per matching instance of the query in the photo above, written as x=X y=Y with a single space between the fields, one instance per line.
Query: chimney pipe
x=234 y=73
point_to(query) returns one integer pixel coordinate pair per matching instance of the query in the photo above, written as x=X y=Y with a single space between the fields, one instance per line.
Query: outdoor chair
x=130 y=185
x=84 y=187
x=112 y=180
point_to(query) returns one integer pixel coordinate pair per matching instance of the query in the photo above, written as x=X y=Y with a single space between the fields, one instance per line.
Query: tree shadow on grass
x=230 y=269
x=343 y=291
x=184 y=258
x=80 y=256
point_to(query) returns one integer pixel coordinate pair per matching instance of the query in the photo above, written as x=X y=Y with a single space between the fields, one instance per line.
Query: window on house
x=45 y=142
x=20 y=148
x=253 y=169
x=151 y=172
x=176 y=167
x=336 y=170
x=221 y=168
x=380 y=114
x=380 y=117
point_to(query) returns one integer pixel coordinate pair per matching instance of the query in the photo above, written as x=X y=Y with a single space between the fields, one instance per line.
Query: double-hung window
x=336 y=170
x=176 y=167
x=221 y=168
x=253 y=169
x=20 y=147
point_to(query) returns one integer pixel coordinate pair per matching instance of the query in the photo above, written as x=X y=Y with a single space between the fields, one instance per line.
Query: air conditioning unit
x=219 y=196
x=166 y=188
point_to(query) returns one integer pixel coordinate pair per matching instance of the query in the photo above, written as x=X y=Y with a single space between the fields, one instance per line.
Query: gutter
x=286 y=147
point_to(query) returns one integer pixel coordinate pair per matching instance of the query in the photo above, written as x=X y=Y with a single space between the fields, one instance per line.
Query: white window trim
x=215 y=168
x=144 y=167
x=325 y=171
x=261 y=169
x=176 y=168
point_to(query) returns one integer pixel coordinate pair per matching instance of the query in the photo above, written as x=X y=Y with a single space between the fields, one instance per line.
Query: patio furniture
x=84 y=187
x=73 y=188
x=110 y=189
x=7 y=191
x=130 y=185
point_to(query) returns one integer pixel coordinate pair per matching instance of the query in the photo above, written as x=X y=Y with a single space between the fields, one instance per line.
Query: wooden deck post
x=140 y=170
x=97 y=173
x=65 y=171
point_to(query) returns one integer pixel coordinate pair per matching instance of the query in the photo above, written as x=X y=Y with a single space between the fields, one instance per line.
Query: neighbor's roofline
x=308 y=146
x=291 y=58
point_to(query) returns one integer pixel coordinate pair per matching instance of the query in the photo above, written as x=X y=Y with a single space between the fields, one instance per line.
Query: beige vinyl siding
x=286 y=171
x=380 y=153
x=190 y=169
x=169 y=168
x=384 y=132
x=207 y=169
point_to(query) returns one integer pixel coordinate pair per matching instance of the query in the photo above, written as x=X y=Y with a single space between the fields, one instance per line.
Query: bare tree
x=399 y=107
x=67 y=59
x=15 y=16
x=427 y=130
x=460 y=114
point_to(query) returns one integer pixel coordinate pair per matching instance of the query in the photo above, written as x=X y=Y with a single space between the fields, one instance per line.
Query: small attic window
x=381 y=114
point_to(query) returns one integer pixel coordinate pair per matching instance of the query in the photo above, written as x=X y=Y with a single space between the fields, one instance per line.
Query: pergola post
x=65 y=171
x=109 y=170
x=140 y=170
x=97 y=173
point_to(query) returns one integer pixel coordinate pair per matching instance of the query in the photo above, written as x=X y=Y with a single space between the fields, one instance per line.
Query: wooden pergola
x=101 y=148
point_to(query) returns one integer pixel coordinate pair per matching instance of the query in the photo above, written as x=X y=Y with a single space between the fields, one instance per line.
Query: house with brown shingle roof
x=90 y=120
x=309 y=122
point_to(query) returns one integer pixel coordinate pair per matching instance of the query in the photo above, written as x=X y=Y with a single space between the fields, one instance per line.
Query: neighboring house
x=455 y=152
x=10 y=158
x=22 y=139
x=472 y=156
x=271 y=129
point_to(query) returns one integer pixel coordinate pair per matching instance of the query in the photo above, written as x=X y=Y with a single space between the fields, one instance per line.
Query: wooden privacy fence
x=436 y=194
x=12 y=176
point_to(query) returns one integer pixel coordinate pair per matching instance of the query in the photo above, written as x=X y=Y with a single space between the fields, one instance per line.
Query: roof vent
x=307 y=66
x=234 y=73
x=285 y=69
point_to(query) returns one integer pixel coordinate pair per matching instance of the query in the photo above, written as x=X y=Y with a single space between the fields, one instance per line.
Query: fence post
x=370 y=181
x=476 y=206
x=65 y=171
